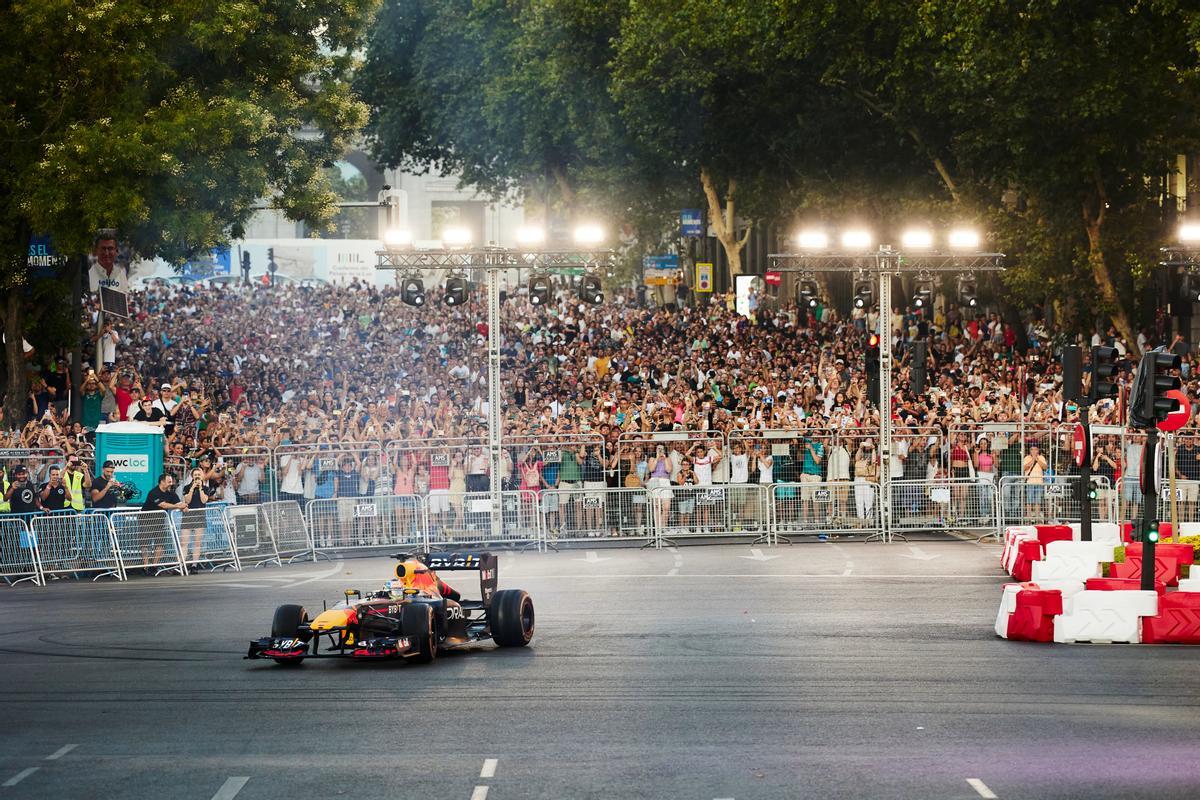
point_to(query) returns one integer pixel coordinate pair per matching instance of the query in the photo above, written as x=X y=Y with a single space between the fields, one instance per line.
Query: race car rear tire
x=512 y=618
x=286 y=625
x=417 y=622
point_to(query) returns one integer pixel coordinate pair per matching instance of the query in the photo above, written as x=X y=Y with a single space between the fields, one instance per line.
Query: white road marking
x=849 y=569
x=489 y=768
x=60 y=752
x=757 y=555
x=244 y=585
x=20 y=776
x=592 y=558
x=920 y=555
x=678 y=563
x=981 y=788
x=337 y=567
x=230 y=788
x=480 y=793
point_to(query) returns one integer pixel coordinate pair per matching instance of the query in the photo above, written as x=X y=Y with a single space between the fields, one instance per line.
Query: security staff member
x=55 y=495
x=78 y=481
x=4 y=484
x=21 y=495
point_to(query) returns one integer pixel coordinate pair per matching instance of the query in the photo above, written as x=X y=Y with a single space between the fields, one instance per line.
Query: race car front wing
x=297 y=649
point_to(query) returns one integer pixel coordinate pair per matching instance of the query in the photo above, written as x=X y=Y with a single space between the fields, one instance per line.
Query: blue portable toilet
x=136 y=449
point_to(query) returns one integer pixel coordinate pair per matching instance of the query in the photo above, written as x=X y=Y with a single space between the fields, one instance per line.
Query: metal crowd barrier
x=949 y=504
x=206 y=539
x=682 y=512
x=830 y=507
x=347 y=523
x=1055 y=498
x=18 y=551
x=460 y=518
x=71 y=544
x=578 y=515
x=285 y=525
x=253 y=543
x=1187 y=495
x=147 y=540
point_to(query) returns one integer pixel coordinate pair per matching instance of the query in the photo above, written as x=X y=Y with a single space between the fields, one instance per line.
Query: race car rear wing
x=462 y=561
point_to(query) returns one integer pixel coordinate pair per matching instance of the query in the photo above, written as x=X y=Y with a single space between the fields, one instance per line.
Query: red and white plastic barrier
x=1105 y=616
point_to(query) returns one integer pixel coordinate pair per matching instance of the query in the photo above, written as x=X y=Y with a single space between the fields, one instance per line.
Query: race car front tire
x=417 y=622
x=286 y=625
x=512 y=618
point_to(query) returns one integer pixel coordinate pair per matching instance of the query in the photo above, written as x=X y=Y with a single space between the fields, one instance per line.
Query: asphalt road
x=815 y=671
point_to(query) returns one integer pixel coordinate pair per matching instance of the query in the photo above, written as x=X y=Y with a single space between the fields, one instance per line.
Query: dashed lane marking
x=489 y=768
x=480 y=793
x=678 y=563
x=20 y=776
x=60 y=752
x=981 y=788
x=230 y=788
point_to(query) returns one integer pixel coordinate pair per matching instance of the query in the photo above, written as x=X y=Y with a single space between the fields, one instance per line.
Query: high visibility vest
x=74 y=483
x=4 y=504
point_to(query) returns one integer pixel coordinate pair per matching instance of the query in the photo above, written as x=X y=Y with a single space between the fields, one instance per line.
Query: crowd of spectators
x=236 y=370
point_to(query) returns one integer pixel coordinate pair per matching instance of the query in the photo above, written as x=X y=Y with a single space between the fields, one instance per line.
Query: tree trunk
x=724 y=222
x=17 y=380
x=77 y=267
x=1093 y=219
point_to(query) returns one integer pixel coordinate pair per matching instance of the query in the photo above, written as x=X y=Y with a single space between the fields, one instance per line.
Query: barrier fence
x=577 y=515
x=346 y=523
x=18 y=551
x=815 y=508
x=148 y=540
x=76 y=544
x=1053 y=498
x=950 y=504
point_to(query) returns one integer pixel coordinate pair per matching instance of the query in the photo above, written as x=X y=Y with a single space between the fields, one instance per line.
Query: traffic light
x=917 y=367
x=864 y=293
x=589 y=290
x=872 y=358
x=245 y=261
x=967 y=294
x=1104 y=374
x=1072 y=372
x=412 y=292
x=1149 y=404
x=809 y=294
x=539 y=290
x=1150 y=534
x=456 y=291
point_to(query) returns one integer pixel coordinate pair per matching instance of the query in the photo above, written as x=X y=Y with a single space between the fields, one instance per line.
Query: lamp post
x=456 y=254
x=917 y=255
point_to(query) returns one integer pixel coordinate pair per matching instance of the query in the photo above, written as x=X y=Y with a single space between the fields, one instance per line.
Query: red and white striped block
x=1072 y=561
x=1104 y=617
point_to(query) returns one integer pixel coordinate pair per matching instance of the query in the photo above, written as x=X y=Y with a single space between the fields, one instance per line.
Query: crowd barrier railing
x=829 y=507
x=147 y=540
x=250 y=461
x=683 y=512
x=253 y=542
x=461 y=518
x=1053 y=499
x=70 y=543
x=579 y=515
x=1187 y=501
x=285 y=525
x=320 y=463
x=950 y=504
x=206 y=539
x=348 y=523
x=19 y=559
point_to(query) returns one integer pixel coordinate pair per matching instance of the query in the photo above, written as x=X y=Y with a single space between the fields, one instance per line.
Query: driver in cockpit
x=412 y=574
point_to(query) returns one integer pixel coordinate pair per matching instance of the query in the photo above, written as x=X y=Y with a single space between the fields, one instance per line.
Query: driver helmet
x=412 y=574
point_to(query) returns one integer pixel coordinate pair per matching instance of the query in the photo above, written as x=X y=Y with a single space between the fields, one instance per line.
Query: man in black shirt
x=55 y=495
x=102 y=487
x=21 y=494
x=161 y=498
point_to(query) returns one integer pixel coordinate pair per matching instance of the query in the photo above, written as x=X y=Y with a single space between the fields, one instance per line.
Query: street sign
x=704 y=276
x=691 y=222
x=660 y=270
x=1176 y=419
x=1078 y=444
x=773 y=278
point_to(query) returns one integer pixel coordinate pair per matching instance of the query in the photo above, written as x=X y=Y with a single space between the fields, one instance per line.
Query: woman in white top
x=739 y=474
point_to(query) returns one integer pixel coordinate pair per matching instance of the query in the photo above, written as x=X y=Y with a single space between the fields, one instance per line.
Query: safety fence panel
x=677 y=447
x=251 y=535
x=284 y=522
x=248 y=475
x=37 y=460
x=946 y=504
x=692 y=511
x=457 y=518
x=18 y=551
x=345 y=523
x=206 y=538
x=1187 y=502
x=69 y=543
x=321 y=471
x=1008 y=443
x=833 y=455
x=832 y=507
x=575 y=515
x=1053 y=499
x=147 y=540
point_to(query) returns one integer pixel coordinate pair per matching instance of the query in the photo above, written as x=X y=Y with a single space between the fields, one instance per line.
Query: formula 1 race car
x=414 y=617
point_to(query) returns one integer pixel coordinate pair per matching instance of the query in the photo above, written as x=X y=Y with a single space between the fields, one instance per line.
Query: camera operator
x=55 y=495
x=104 y=488
x=21 y=495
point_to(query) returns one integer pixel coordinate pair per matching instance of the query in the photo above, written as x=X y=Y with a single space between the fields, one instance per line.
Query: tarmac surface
x=838 y=670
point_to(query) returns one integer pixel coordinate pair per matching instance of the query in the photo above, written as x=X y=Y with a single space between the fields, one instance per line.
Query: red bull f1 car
x=414 y=617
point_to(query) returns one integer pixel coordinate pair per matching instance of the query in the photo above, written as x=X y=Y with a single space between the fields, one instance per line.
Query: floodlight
x=964 y=239
x=856 y=239
x=531 y=235
x=456 y=236
x=397 y=237
x=589 y=234
x=1189 y=232
x=812 y=240
x=917 y=239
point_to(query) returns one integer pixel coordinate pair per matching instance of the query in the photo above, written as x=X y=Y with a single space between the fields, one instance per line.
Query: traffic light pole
x=1149 y=508
x=1085 y=474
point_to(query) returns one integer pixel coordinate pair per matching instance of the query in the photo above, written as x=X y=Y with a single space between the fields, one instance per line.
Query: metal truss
x=492 y=258
x=1179 y=256
x=885 y=260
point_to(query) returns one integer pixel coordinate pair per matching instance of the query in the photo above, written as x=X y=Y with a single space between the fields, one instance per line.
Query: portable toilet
x=136 y=450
